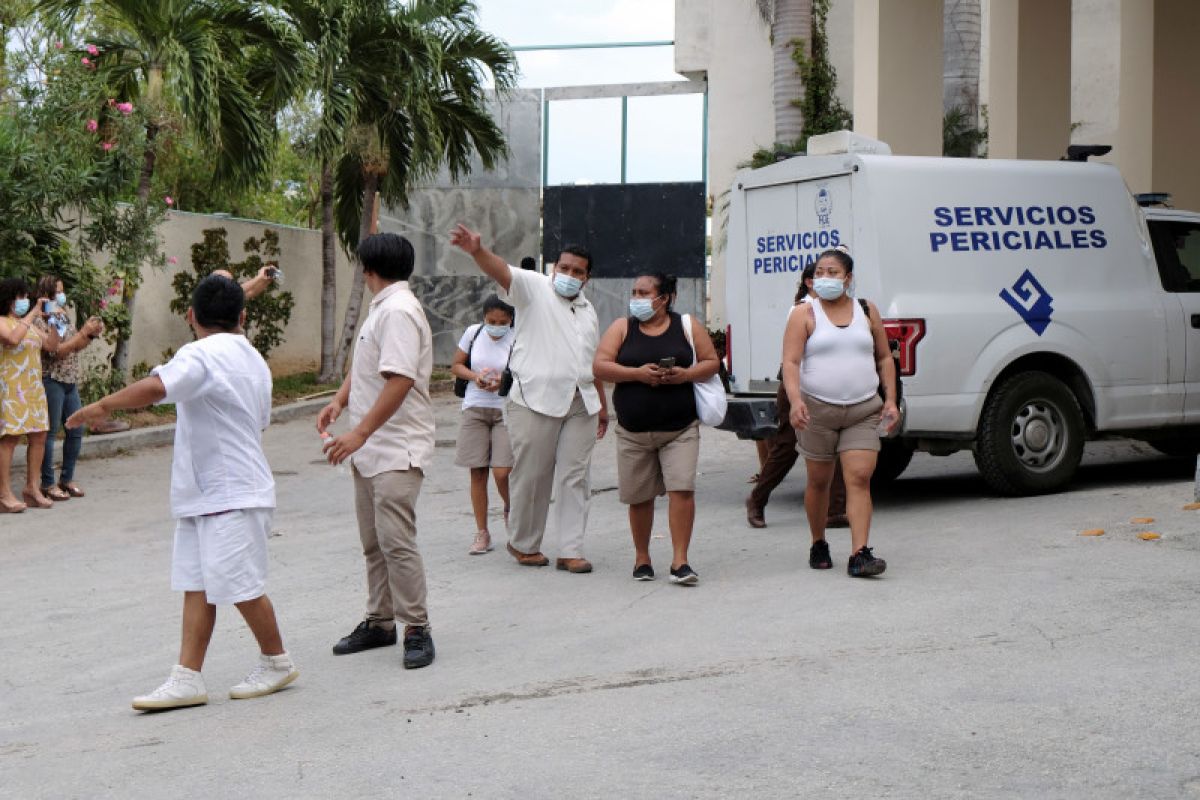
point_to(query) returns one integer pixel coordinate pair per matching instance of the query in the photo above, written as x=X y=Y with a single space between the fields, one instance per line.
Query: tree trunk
x=792 y=24
x=328 y=278
x=354 y=305
x=960 y=60
x=120 y=356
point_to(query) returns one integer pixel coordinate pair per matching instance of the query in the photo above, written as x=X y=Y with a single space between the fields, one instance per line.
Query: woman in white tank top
x=835 y=360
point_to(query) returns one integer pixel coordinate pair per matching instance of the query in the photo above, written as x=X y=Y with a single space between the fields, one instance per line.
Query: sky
x=665 y=133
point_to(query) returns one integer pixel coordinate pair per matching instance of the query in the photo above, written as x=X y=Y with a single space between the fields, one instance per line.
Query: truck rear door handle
x=1196 y=320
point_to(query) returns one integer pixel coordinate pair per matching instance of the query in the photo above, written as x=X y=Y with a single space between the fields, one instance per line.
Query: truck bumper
x=750 y=417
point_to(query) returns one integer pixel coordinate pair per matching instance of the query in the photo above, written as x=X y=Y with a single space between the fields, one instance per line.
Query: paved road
x=1002 y=655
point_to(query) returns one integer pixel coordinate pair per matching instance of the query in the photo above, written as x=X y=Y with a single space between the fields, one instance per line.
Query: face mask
x=641 y=308
x=829 y=288
x=60 y=299
x=566 y=286
x=497 y=331
x=21 y=307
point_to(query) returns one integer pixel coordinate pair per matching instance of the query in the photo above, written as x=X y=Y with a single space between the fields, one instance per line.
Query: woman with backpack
x=483 y=442
x=836 y=366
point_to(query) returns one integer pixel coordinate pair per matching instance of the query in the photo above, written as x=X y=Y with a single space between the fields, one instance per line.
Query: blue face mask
x=829 y=288
x=497 y=331
x=21 y=307
x=60 y=299
x=566 y=286
x=641 y=308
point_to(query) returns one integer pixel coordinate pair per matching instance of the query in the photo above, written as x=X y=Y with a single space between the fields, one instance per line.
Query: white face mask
x=829 y=288
x=497 y=331
x=566 y=286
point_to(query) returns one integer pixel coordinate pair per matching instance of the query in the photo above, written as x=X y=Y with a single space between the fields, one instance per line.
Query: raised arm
x=489 y=263
x=146 y=392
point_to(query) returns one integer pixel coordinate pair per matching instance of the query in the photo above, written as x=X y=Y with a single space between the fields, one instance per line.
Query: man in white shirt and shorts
x=222 y=492
x=556 y=408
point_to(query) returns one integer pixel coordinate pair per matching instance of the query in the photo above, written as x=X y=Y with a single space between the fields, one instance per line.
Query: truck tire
x=1030 y=436
x=894 y=457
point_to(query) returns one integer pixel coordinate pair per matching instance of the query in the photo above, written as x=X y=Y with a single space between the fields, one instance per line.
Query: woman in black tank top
x=649 y=357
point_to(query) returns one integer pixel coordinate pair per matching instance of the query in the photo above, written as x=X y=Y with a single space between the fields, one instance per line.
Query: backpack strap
x=471 y=346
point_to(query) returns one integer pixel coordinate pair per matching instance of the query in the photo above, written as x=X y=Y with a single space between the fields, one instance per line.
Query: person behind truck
x=781 y=447
x=835 y=361
x=649 y=356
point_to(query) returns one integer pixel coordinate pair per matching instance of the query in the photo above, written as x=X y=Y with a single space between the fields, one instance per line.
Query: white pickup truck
x=1035 y=304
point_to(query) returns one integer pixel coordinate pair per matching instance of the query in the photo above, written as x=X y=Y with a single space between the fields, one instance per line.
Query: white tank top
x=839 y=363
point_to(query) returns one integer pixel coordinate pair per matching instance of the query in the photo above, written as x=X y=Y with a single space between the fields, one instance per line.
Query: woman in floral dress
x=23 y=404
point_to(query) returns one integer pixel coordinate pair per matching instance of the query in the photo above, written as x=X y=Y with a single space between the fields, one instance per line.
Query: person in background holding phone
x=60 y=377
x=22 y=399
x=649 y=358
x=483 y=440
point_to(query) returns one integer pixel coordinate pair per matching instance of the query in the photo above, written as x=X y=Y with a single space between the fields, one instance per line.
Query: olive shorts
x=834 y=429
x=483 y=439
x=655 y=462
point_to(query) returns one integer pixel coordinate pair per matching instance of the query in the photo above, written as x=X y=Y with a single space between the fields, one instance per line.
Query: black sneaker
x=684 y=575
x=365 y=637
x=418 y=648
x=864 y=565
x=818 y=555
x=643 y=572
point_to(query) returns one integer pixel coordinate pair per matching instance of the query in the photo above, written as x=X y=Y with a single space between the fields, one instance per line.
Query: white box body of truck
x=1026 y=297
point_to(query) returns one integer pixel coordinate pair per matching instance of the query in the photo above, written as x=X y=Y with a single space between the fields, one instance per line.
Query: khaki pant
x=387 y=524
x=542 y=447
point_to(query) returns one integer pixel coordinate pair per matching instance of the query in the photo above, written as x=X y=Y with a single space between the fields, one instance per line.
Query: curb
x=113 y=444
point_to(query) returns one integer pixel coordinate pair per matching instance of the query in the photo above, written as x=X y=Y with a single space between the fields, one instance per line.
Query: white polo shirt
x=394 y=339
x=556 y=343
x=221 y=389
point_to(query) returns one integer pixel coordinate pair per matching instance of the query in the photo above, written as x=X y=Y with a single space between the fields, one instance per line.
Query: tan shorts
x=835 y=429
x=653 y=463
x=483 y=439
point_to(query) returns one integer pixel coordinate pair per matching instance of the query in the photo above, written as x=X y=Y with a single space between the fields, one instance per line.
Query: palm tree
x=401 y=91
x=962 y=26
x=791 y=24
x=219 y=67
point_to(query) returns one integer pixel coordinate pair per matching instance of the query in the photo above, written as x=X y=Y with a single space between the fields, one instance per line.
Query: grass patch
x=289 y=388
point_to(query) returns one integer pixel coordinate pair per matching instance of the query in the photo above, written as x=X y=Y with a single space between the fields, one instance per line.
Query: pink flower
x=93 y=50
x=107 y=146
x=172 y=260
x=58 y=45
x=103 y=304
x=92 y=125
x=85 y=61
x=168 y=200
x=125 y=108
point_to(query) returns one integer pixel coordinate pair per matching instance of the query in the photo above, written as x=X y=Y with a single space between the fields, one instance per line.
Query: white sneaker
x=482 y=544
x=184 y=687
x=272 y=674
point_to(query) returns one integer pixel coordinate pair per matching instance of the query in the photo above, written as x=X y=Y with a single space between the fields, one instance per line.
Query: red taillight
x=906 y=333
x=729 y=349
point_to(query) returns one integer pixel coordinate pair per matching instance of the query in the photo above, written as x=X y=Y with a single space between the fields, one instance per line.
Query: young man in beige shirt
x=389 y=445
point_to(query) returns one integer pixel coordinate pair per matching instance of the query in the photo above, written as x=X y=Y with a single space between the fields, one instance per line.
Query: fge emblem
x=823 y=205
x=1031 y=300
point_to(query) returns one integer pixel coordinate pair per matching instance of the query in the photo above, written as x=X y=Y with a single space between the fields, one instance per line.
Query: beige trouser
x=387 y=523
x=540 y=445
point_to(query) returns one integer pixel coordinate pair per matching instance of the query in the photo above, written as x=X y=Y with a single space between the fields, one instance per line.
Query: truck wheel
x=894 y=457
x=1030 y=435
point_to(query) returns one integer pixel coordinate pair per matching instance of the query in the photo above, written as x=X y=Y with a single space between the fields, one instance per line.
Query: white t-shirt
x=556 y=342
x=394 y=339
x=487 y=354
x=221 y=389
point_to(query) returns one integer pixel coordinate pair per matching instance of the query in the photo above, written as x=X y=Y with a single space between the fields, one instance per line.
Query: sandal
x=56 y=493
x=31 y=501
x=71 y=489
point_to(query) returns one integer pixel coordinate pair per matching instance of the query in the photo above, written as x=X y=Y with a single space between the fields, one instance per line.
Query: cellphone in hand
x=666 y=363
x=47 y=306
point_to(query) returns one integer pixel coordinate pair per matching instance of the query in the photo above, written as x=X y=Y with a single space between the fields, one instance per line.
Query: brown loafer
x=71 y=489
x=576 y=565
x=754 y=515
x=528 y=559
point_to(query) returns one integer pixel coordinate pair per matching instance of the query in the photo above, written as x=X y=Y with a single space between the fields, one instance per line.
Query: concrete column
x=1176 y=167
x=1133 y=151
x=898 y=74
x=1029 y=78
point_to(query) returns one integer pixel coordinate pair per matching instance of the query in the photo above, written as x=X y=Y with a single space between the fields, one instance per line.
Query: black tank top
x=642 y=408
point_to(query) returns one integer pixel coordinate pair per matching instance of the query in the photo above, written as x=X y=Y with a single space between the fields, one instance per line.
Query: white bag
x=711 y=402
